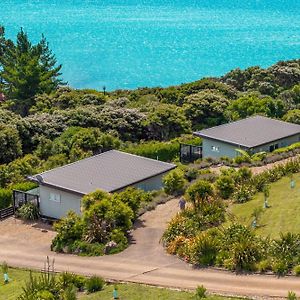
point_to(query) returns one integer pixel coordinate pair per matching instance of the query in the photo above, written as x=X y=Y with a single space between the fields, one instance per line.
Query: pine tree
x=26 y=70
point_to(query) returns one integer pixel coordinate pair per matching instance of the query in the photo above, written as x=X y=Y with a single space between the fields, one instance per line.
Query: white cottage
x=61 y=189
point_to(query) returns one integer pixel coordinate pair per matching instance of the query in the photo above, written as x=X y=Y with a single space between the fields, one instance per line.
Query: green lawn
x=18 y=277
x=283 y=214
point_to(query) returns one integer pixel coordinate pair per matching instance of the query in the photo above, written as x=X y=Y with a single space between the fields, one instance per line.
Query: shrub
x=91 y=198
x=103 y=217
x=263 y=266
x=94 y=284
x=225 y=186
x=69 y=229
x=242 y=246
x=286 y=249
x=175 y=245
x=191 y=174
x=243 y=174
x=69 y=293
x=67 y=279
x=203 y=249
x=186 y=224
x=174 y=182
x=165 y=151
x=118 y=236
x=243 y=193
x=292 y=296
x=28 y=211
x=280 y=267
x=133 y=198
x=85 y=248
x=199 y=192
x=200 y=292
x=5 y=198
x=296 y=270
x=24 y=186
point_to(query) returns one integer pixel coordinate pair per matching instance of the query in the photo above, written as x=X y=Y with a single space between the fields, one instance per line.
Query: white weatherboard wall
x=217 y=149
x=70 y=201
x=54 y=209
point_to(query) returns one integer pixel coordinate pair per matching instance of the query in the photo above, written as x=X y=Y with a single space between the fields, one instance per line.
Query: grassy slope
x=282 y=216
x=126 y=291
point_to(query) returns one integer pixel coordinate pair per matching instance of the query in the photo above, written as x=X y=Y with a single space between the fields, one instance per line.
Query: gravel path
x=144 y=261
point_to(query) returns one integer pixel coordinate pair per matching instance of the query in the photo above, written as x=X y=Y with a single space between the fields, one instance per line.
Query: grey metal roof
x=251 y=132
x=109 y=171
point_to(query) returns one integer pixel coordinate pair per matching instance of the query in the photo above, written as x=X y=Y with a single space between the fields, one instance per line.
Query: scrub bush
x=94 y=284
x=174 y=182
x=225 y=186
x=296 y=270
x=28 y=212
x=5 y=198
x=200 y=292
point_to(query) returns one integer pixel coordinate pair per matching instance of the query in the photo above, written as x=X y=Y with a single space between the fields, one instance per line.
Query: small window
x=215 y=149
x=54 y=197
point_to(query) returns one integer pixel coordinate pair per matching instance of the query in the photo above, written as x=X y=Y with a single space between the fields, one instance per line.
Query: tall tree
x=26 y=69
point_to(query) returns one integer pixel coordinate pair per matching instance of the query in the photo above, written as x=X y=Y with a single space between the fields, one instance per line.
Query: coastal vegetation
x=240 y=221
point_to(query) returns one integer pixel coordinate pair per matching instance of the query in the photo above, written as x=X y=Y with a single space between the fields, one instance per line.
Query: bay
x=134 y=43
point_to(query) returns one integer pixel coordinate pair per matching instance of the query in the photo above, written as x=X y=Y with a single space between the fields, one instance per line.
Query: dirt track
x=144 y=261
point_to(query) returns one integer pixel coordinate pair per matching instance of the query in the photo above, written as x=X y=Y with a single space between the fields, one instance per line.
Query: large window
x=54 y=197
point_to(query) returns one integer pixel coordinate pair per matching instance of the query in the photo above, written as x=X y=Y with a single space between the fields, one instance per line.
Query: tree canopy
x=26 y=69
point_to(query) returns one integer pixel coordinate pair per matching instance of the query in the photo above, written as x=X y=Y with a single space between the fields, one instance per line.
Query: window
x=54 y=197
x=215 y=149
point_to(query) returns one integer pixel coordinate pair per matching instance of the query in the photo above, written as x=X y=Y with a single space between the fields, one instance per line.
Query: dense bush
x=94 y=284
x=69 y=229
x=10 y=144
x=199 y=192
x=174 y=182
x=200 y=292
x=28 y=212
x=165 y=151
x=5 y=198
x=225 y=186
x=134 y=198
x=67 y=279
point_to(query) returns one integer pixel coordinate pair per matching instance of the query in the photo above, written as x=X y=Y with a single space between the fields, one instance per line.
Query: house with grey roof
x=61 y=189
x=253 y=134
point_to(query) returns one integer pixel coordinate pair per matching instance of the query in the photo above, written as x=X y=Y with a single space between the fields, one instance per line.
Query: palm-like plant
x=248 y=157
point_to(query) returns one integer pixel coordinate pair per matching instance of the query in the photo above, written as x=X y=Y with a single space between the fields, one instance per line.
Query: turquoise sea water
x=133 y=43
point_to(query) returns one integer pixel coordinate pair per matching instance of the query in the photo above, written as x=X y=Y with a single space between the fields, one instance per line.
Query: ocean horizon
x=130 y=44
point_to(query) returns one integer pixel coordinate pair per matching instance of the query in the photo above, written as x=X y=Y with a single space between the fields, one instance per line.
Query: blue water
x=134 y=43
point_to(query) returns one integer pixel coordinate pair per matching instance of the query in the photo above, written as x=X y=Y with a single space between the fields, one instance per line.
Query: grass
x=11 y=290
x=138 y=292
x=284 y=211
x=132 y=291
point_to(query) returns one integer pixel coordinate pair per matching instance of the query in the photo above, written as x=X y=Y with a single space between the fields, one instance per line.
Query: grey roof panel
x=109 y=171
x=251 y=132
